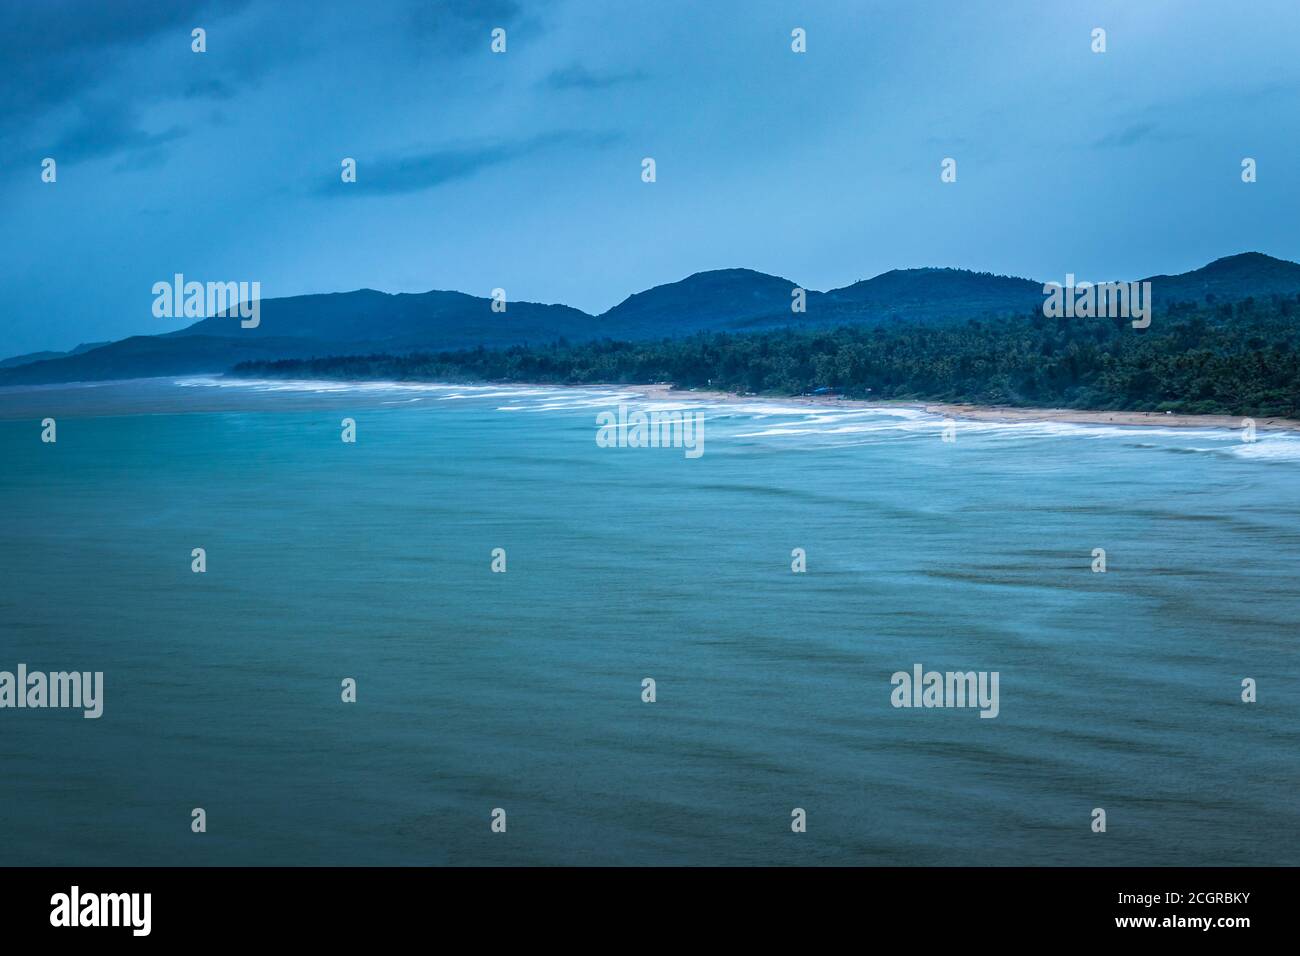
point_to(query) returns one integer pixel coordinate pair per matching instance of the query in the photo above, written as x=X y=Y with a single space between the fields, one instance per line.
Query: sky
x=522 y=170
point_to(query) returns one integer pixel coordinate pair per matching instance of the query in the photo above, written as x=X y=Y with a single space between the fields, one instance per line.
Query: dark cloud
x=1129 y=136
x=439 y=17
x=417 y=171
x=107 y=129
x=209 y=89
x=54 y=50
x=63 y=59
x=460 y=27
x=577 y=77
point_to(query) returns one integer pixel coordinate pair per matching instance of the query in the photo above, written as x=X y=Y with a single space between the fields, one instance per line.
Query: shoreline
x=155 y=396
x=988 y=413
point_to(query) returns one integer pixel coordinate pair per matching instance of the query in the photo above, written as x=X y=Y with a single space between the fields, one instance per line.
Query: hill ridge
x=736 y=299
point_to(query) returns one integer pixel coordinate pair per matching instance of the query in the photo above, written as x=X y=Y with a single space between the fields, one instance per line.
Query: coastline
x=158 y=396
x=987 y=413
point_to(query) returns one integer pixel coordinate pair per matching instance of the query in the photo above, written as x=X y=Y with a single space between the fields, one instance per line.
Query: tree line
x=1235 y=358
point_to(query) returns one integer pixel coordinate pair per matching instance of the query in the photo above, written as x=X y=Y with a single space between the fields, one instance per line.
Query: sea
x=564 y=652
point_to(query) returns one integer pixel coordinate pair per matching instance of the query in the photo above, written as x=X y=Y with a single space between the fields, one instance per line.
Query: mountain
x=42 y=356
x=1229 y=279
x=705 y=300
x=935 y=295
x=316 y=326
x=402 y=321
x=144 y=356
x=737 y=300
x=745 y=300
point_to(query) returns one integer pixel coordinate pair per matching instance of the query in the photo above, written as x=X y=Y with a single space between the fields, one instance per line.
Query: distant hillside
x=934 y=295
x=724 y=297
x=316 y=325
x=144 y=356
x=367 y=321
x=1230 y=279
x=742 y=299
x=43 y=356
x=1219 y=359
x=401 y=321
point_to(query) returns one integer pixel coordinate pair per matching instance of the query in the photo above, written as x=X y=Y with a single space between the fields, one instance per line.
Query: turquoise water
x=522 y=690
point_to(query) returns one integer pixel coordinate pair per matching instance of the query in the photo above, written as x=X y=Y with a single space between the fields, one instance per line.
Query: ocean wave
x=778 y=422
x=1269 y=449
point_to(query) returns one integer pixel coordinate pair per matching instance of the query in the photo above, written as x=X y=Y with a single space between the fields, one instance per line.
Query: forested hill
x=722 y=300
x=1241 y=359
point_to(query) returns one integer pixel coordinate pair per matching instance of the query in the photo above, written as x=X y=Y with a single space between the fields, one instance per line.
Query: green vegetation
x=1238 y=359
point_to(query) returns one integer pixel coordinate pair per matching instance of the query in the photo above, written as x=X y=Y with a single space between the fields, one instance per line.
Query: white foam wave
x=1269 y=449
x=781 y=421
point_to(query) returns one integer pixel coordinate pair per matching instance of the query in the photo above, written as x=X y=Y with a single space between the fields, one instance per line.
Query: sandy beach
x=993 y=413
x=161 y=396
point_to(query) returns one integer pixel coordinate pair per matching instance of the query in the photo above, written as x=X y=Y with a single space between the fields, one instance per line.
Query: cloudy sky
x=523 y=170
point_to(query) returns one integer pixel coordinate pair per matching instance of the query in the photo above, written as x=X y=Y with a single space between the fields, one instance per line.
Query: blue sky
x=522 y=170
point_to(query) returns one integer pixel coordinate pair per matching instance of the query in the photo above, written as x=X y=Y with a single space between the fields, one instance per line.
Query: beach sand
x=989 y=413
x=163 y=396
